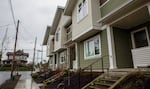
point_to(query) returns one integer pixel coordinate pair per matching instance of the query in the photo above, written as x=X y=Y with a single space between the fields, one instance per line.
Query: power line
x=11 y=8
x=6 y=25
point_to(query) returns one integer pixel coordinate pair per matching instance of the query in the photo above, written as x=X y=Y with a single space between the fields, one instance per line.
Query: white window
x=62 y=57
x=51 y=61
x=140 y=38
x=82 y=10
x=57 y=34
x=92 y=47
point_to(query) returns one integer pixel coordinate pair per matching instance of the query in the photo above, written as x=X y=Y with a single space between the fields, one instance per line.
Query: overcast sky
x=34 y=16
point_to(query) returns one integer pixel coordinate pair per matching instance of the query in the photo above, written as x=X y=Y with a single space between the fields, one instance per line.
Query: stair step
x=110 y=80
x=103 y=84
x=93 y=87
x=97 y=87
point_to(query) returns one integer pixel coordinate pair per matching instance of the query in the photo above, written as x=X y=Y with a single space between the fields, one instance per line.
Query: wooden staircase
x=53 y=78
x=106 y=81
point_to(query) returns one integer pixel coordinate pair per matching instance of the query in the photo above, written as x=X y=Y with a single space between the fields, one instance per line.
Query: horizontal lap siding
x=141 y=56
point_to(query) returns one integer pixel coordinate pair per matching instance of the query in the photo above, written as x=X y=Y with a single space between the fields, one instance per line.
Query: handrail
x=78 y=74
x=96 y=62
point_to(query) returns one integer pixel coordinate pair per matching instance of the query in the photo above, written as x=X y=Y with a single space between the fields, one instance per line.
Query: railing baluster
x=91 y=72
x=102 y=65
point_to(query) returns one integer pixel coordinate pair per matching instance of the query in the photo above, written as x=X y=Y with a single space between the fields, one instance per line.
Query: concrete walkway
x=26 y=82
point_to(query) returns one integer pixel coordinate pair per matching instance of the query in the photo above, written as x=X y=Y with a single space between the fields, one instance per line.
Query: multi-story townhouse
x=114 y=34
x=89 y=41
x=128 y=28
x=49 y=42
x=115 y=31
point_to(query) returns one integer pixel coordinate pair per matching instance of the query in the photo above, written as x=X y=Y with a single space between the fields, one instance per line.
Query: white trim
x=148 y=6
x=94 y=56
x=53 y=61
x=104 y=4
x=85 y=31
x=115 y=10
x=141 y=29
x=68 y=58
x=77 y=52
x=112 y=60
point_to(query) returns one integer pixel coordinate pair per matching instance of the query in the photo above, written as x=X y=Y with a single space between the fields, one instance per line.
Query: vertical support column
x=148 y=6
x=57 y=60
x=53 y=61
x=68 y=58
x=111 y=48
x=77 y=52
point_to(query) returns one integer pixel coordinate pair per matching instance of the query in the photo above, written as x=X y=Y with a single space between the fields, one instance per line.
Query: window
x=102 y=2
x=51 y=61
x=92 y=47
x=57 y=34
x=62 y=57
x=140 y=38
x=82 y=10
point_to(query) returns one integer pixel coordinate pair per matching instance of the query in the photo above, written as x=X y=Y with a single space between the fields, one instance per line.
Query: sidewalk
x=26 y=84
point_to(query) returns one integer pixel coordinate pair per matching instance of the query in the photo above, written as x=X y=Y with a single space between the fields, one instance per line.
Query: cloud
x=34 y=15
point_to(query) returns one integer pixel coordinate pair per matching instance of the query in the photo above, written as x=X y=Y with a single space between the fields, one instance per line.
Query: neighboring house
x=20 y=57
x=112 y=33
x=58 y=51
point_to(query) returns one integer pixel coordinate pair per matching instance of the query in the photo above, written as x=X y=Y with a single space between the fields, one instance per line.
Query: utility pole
x=41 y=54
x=5 y=36
x=16 y=38
x=34 y=55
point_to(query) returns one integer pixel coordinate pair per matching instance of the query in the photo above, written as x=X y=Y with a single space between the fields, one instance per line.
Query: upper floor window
x=57 y=34
x=92 y=47
x=102 y=1
x=82 y=10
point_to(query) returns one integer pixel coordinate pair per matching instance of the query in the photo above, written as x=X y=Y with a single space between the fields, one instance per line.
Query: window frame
x=85 y=48
x=79 y=18
x=138 y=30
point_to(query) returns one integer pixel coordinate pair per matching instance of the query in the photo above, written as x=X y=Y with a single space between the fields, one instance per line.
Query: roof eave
x=56 y=19
x=47 y=33
x=69 y=7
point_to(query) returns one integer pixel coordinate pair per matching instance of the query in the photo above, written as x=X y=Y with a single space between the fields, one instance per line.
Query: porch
x=131 y=35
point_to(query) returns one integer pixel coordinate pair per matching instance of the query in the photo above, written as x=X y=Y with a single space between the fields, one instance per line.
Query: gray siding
x=122 y=48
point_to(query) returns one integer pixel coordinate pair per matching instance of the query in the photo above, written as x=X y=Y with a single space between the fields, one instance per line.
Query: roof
x=47 y=33
x=19 y=52
x=70 y=5
x=56 y=19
